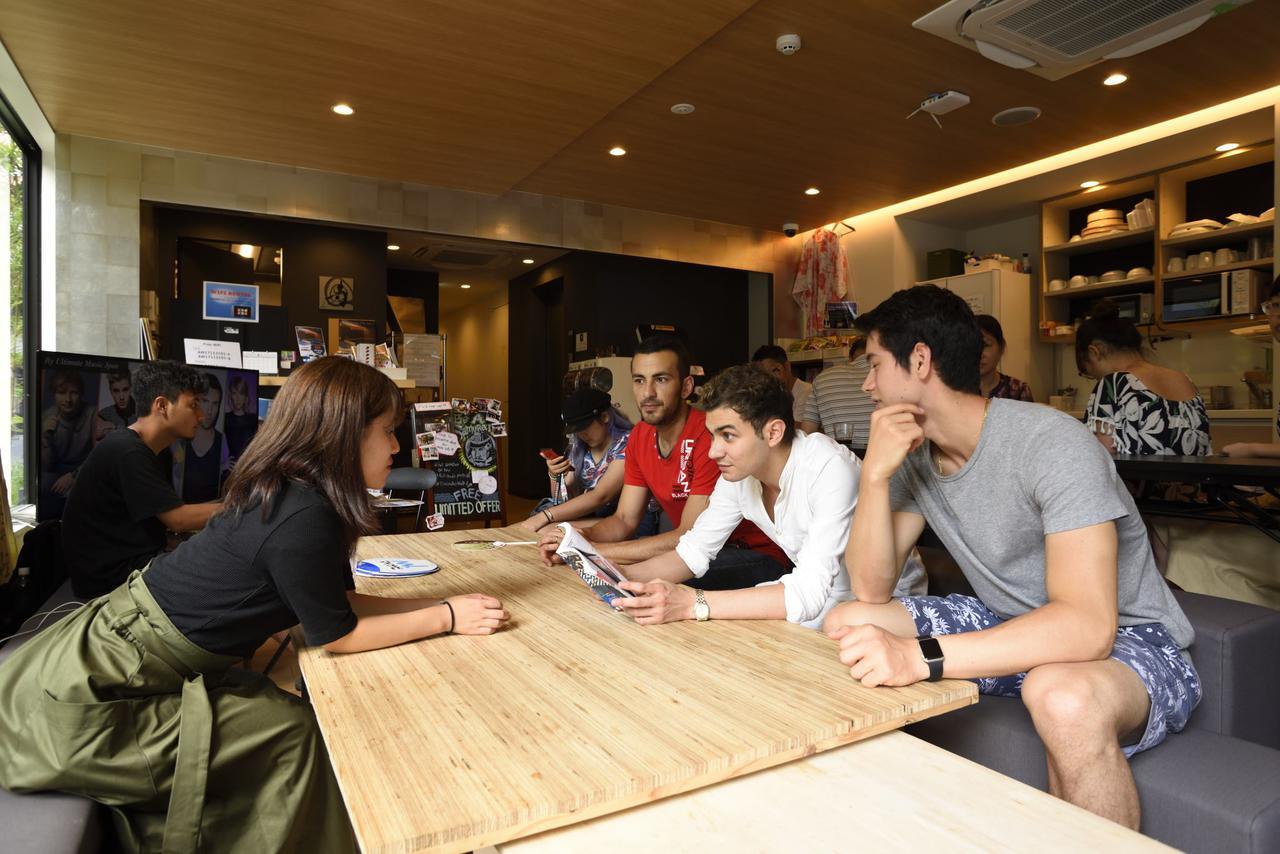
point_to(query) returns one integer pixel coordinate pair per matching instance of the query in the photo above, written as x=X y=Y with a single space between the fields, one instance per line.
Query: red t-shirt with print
x=688 y=470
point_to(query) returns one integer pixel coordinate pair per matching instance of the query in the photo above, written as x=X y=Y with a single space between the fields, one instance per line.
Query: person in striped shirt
x=838 y=398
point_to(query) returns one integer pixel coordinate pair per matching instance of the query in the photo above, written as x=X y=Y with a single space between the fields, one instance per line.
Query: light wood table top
x=890 y=793
x=573 y=711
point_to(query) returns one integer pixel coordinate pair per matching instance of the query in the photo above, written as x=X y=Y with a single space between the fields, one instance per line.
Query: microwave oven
x=1135 y=307
x=1192 y=298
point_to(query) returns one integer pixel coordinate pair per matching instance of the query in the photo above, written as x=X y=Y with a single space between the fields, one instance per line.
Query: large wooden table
x=574 y=711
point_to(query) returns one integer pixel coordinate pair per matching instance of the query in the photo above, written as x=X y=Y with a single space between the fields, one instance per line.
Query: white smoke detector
x=788 y=44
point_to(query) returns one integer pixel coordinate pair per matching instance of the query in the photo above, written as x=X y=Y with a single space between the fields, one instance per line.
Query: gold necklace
x=937 y=455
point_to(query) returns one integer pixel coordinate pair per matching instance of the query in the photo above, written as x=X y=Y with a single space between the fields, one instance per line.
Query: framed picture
x=230 y=301
x=337 y=293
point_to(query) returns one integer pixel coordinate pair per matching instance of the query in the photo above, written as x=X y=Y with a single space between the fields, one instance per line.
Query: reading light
x=617 y=151
x=1088 y=185
x=343 y=109
x=1228 y=146
x=812 y=191
x=1115 y=79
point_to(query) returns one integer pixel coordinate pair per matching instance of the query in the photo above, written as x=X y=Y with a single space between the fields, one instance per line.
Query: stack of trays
x=1104 y=221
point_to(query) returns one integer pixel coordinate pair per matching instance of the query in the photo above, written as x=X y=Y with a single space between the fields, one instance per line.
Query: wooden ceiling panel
x=459 y=94
x=833 y=115
x=530 y=95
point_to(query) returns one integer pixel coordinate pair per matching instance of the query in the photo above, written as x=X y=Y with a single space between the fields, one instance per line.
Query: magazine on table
x=595 y=570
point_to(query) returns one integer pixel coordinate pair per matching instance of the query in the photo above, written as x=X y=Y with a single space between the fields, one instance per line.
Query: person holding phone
x=584 y=482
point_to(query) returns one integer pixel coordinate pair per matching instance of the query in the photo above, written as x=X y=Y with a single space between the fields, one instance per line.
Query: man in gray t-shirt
x=1071 y=613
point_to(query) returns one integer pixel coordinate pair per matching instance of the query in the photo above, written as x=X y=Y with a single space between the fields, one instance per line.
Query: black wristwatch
x=932 y=652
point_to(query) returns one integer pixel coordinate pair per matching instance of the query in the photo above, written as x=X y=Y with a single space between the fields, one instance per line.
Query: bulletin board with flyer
x=458 y=439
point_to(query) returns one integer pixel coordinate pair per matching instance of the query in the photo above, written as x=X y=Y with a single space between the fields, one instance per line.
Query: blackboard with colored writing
x=468 y=480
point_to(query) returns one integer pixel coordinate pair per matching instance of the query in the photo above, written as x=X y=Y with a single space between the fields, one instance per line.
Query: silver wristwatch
x=701 y=610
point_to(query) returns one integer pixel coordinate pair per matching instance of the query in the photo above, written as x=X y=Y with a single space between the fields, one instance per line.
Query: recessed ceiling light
x=394 y=247
x=812 y=191
x=617 y=151
x=464 y=287
x=244 y=250
x=527 y=261
x=1228 y=146
x=343 y=109
x=1115 y=79
x=1088 y=185
x=682 y=109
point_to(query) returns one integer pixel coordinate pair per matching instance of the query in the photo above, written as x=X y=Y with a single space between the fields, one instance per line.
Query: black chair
x=411 y=480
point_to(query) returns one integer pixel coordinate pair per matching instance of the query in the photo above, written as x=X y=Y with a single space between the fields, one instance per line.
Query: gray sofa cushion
x=1200 y=791
x=1237 y=653
x=48 y=822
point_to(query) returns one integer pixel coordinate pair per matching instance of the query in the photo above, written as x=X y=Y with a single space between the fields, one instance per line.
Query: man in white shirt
x=773 y=359
x=799 y=490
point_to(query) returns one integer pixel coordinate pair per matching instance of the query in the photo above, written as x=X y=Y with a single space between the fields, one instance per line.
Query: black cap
x=582 y=406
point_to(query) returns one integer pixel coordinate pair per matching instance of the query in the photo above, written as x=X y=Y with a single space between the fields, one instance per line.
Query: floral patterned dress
x=1145 y=422
x=822 y=276
x=1012 y=388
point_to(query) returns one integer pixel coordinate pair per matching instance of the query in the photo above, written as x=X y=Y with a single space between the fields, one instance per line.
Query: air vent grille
x=1073 y=28
x=463 y=259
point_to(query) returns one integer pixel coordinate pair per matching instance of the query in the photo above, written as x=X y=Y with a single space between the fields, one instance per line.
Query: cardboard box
x=1245 y=286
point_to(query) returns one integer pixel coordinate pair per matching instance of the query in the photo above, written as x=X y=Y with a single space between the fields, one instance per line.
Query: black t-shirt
x=109 y=526
x=244 y=577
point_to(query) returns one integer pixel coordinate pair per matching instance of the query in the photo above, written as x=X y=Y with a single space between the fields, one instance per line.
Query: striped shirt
x=838 y=398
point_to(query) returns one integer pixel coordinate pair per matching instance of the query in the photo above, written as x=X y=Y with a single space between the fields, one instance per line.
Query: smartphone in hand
x=549 y=453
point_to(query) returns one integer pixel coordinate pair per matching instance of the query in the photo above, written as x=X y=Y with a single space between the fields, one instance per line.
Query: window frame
x=31 y=264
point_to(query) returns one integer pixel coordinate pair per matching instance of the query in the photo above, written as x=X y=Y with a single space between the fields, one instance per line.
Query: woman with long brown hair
x=133 y=701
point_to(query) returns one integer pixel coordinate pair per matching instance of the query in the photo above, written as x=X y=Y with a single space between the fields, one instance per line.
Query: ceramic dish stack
x=1143 y=214
x=1104 y=221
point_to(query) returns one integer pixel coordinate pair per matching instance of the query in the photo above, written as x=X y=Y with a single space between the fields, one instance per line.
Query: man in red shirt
x=667 y=456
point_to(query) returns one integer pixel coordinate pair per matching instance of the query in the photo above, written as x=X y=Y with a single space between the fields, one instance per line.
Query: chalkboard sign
x=460 y=445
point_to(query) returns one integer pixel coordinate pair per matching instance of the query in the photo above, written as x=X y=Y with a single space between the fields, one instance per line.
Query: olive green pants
x=115 y=704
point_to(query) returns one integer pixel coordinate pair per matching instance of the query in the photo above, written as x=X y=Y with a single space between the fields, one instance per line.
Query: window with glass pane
x=13 y=168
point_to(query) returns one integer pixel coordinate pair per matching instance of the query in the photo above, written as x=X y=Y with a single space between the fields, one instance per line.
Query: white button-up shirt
x=817 y=493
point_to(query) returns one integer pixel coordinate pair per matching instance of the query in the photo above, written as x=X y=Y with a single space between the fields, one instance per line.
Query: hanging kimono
x=822 y=276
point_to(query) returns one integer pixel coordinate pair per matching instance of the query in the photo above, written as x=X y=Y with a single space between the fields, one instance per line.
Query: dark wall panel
x=607 y=296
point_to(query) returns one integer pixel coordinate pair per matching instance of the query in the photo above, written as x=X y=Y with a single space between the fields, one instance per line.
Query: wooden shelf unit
x=1147 y=247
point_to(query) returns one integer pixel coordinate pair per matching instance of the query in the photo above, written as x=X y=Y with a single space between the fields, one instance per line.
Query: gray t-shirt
x=1036 y=471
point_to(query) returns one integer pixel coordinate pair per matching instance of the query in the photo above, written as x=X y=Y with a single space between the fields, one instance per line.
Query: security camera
x=790 y=229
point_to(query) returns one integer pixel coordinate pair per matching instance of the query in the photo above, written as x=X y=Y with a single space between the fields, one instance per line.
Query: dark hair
x=164 y=379
x=770 y=351
x=313 y=436
x=991 y=326
x=1105 y=325
x=663 y=342
x=66 y=376
x=116 y=376
x=754 y=394
x=937 y=318
x=238 y=382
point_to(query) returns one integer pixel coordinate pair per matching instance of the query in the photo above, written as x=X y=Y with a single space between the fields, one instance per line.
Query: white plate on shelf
x=1112 y=276
x=1138 y=273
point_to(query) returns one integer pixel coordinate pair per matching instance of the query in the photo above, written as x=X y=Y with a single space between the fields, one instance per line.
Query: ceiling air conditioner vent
x=1054 y=38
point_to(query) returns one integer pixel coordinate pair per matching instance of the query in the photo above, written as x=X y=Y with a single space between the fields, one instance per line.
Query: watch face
x=931 y=649
x=701 y=611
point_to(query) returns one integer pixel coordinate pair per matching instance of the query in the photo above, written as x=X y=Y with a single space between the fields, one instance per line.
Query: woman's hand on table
x=477 y=614
x=656 y=601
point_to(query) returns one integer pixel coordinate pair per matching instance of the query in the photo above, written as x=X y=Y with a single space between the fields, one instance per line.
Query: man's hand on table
x=548 y=543
x=656 y=602
x=877 y=657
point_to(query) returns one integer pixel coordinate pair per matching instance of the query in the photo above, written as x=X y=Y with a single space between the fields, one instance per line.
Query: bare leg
x=1083 y=712
x=891 y=616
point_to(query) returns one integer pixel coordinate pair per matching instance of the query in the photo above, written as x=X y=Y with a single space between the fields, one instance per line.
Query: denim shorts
x=1171 y=681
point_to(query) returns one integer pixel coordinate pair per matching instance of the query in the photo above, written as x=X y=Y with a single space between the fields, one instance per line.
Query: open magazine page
x=597 y=571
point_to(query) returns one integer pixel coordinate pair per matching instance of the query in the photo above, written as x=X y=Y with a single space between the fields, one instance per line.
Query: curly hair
x=754 y=394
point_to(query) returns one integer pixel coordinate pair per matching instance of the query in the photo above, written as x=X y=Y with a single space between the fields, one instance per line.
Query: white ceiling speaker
x=788 y=44
x=1015 y=116
x=1054 y=38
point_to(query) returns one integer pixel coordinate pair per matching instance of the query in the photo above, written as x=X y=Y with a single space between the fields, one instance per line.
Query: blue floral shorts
x=1172 y=682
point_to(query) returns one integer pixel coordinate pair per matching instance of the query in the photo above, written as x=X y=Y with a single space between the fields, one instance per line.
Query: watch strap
x=931 y=651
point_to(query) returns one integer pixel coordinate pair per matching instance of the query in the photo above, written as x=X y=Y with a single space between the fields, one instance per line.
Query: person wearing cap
x=584 y=482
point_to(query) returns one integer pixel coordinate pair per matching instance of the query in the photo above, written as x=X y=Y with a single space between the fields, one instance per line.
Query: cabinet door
x=980 y=290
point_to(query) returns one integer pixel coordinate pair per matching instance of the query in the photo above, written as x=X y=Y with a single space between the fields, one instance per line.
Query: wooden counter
x=574 y=711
